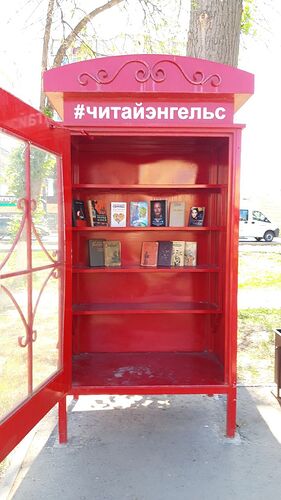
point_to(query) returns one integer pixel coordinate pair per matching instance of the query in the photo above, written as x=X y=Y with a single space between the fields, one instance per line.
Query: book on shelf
x=96 y=253
x=112 y=253
x=78 y=213
x=177 y=214
x=177 y=259
x=118 y=214
x=164 y=253
x=97 y=213
x=138 y=213
x=158 y=213
x=196 y=216
x=190 y=253
x=149 y=253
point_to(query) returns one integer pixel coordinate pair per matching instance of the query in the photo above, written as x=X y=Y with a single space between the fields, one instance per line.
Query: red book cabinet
x=134 y=128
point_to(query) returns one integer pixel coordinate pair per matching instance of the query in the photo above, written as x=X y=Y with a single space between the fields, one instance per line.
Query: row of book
x=104 y=253
x=169 y=253
x=153 y=253
x=141 y=214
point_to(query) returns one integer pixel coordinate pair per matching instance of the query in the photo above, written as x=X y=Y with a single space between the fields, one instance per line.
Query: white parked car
x=254 y=224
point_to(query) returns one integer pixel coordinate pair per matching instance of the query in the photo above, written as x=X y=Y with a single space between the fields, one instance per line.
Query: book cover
x=149 y=253
x=196 y=216
x=118 y=214
x=177 y=214
x=96 y=253
x=165 y=253
x=112 y=253
x=177 y=259
x=78 y=213
x=158 y=213
x=138 y=213
x=97 y=213
x=190 y=253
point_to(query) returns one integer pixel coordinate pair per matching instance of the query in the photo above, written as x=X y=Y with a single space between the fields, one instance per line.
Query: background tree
x=80 y=39
x=215 y=27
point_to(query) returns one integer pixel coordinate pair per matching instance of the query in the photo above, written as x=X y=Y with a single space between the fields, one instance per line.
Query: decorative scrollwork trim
x=53 y=274
x=156 y=73
x=22 y=205
x=21 y=340
x=37 y=236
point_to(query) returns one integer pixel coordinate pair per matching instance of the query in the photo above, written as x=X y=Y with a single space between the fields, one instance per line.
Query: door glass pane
x=45 y=195
x=13 y=349
x=12 y=205
x=47 y=250
x=47 y=294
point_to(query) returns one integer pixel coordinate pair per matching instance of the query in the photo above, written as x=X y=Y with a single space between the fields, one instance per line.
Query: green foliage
x=42 y=166
x=248 y=17
x=48 y=111
x=15 y=172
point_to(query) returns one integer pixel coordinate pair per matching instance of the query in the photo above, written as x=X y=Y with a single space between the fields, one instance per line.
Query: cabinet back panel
x=146 y=160
x=137 y=288
x=141 y=333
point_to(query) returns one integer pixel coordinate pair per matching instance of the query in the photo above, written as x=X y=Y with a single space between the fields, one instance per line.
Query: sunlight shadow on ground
x=107 y=402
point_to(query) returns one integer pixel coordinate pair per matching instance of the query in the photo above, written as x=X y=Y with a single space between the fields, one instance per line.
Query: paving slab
x=156 y=448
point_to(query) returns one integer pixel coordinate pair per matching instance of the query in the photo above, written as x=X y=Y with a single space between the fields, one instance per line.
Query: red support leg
x=62 y=421
x=231 y=413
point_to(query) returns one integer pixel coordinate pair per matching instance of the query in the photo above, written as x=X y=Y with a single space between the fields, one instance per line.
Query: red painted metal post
x=29 y=267
x=231 y=412
x=62 y=420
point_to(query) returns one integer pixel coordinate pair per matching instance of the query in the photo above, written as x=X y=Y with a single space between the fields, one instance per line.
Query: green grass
x=259 y=269
x=256 y=349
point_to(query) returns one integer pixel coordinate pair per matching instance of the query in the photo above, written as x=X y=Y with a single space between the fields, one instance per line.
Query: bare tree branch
x=79 y=27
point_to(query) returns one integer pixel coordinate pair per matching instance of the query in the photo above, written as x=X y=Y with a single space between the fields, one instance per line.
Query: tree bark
x=78 y=28
x=214 y=30
x=45 y=51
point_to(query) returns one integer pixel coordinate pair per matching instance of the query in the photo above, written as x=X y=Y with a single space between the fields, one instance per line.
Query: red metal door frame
x=23 y=122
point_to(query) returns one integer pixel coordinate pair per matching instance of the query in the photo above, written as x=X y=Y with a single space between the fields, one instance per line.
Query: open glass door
x=33 y=367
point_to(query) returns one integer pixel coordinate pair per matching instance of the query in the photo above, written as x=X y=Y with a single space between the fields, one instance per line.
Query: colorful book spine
x=196 y=216
x=158 y=213
x=138 y=213
x=190 y=253
x=112 y=253
x=178 y=254
x=149 y=253
x=96 y=253
x=165 y=253
x=118 y=214
x=177 y=214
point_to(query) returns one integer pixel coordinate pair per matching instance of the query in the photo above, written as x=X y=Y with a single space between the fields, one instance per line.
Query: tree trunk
x=46 y=41
x=214 y=30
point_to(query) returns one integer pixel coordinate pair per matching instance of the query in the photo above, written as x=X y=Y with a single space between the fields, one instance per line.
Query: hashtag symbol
x=79 y=111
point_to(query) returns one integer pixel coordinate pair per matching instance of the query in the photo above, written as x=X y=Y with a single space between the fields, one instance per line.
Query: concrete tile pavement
x=157 y=448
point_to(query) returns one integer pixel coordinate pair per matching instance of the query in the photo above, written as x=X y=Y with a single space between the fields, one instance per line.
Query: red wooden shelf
x=148 y=371
x=148 y=228
x=145 y=308
x=154 y=187
x=138 y=269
